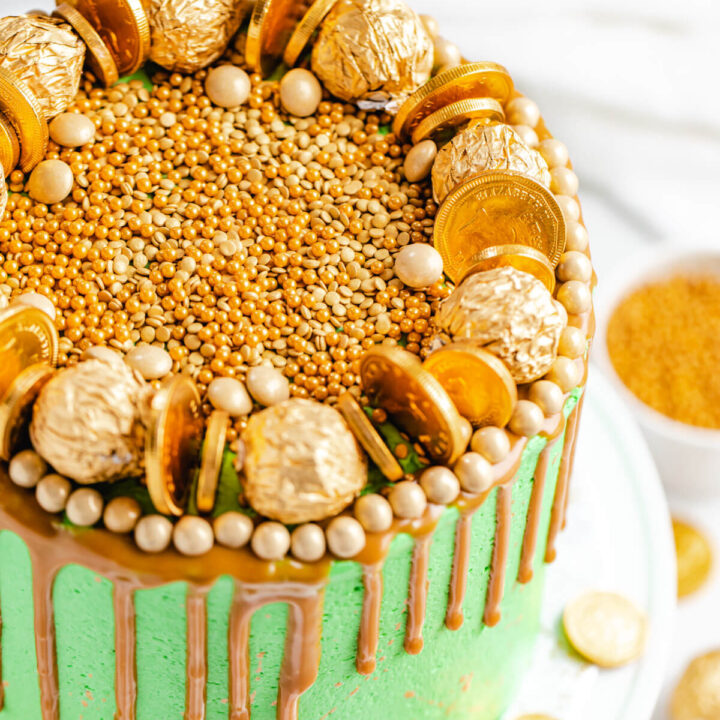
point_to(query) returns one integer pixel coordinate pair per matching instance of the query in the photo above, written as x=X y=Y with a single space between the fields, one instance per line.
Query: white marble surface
x=631 y=87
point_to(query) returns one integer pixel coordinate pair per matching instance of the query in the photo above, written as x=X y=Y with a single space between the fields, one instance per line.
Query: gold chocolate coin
x=123 y=27
x=172 y=444
x=16 y=407
x=305 y=29
x=27 y=336
x=271 y=25
x=9 y=147
x=470 y=80
x=98 y=57
x=458 y=113
x=497 y=208
x=211 y=464
x=477 y=382
x=694 y=557
x=605 y=628
x=21 y=108
x=520 y=257
x=697 y=695
x=371 y=440
x=395 y=380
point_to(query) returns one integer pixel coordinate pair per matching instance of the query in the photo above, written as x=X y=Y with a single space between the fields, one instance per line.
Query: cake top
x=284 y=312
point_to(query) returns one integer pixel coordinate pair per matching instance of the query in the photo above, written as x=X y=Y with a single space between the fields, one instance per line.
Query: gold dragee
x=375 y=52
x=302 y=462
x=186 y=36
x=511 y=314
x=89 y=421
x=478 y=148
x=46 y=55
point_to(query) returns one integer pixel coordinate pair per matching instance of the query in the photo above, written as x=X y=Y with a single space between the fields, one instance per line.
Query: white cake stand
x=618 y=538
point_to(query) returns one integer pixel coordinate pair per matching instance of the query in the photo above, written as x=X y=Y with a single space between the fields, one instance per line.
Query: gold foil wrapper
x=89 y=421
x=302 y=462
x=187 y=35
x=478 y=148
x=376 y=52
x=3 y=194
x=511 y=314
x=46 y=55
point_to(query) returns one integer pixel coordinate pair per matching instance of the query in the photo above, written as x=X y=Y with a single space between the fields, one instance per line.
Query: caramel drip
x=563 y=483
x=572 y=464
x=370 y=621
x=125 y=674
x=532 y=524
x=496 y=588
x=196 y=655
x=43 y=580
x=417 y=597
x=302 y=648
x=458 y=582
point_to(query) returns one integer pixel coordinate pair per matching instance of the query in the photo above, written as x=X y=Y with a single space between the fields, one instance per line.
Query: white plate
x=618 y=538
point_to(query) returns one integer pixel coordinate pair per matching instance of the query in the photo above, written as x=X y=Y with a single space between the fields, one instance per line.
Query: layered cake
x=292 y=364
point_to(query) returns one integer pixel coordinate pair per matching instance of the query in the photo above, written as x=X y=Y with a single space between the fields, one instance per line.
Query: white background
x=631 y=86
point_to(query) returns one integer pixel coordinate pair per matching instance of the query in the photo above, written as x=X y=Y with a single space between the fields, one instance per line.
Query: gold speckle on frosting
x=509 y=313
x=478 y=148
x=46 y=55
x=376 y=51
x=89 y=421
x=302 y=462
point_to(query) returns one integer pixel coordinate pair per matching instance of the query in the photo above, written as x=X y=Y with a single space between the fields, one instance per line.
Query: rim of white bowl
x=640 y=267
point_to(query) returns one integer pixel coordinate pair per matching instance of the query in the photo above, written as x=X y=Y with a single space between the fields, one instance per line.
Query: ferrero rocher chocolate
x=302 y=462
x=89 y=421
x=46 y=55
x=373 y=51
x=187 y=36
x=510 y=314
x=478 y=148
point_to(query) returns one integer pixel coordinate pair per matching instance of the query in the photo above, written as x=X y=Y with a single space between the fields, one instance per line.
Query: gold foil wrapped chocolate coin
x=46 y=55
x=211 y=464
x=187 y=36
x=697 y=695
x=605 y=628
x=694 y=557
x=89 y=421
x=375 y=51
x=497 y=207
x=304 y=30
x=9 y=149
x=462 y=112
x=3 y=193
x=484 y=147
x=395 y=381
x=302 y=463
x=520 y=257
x=510 y=314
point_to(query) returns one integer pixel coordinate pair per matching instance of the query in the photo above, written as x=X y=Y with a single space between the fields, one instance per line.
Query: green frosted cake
x=291 y=364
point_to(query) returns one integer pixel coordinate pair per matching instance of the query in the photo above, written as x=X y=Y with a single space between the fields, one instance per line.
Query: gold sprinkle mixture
x=664 y=342
x=228 y=237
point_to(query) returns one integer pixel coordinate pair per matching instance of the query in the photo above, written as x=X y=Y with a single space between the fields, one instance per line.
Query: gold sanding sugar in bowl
x=664 y=342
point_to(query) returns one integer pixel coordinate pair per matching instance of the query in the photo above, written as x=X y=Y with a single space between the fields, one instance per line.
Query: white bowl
x=687 y=457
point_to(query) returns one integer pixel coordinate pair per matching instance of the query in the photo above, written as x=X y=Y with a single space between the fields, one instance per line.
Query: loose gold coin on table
x=16 y=407
x=458 y=113
x=27 y=336
x=123 y=27
x=605 y=628
x=520 y=257
x=369 y=437
x=9 y=146
x=694 y=557
x=497 y=208
x=395 y=380
x=271 y=25
x=477 y=382
x=470 y=80
x=535 y=716
x=212 y=455
x=23 y=111
x=305 y=29
x=98 y=56
x=172 y=443
x=697 y=695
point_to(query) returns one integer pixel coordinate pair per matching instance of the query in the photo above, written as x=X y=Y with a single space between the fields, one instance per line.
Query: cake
x=292 y=368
